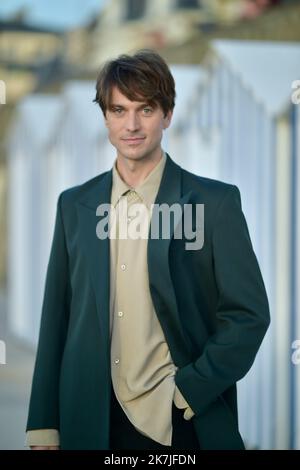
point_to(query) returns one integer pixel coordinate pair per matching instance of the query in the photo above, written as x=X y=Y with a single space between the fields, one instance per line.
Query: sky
x=53 y=13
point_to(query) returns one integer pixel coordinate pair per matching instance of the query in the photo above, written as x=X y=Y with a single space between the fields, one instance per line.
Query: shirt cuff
x=188 y=414
x=42 y=437
x=181 y=403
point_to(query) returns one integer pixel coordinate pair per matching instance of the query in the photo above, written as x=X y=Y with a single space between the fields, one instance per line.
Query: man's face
x=135 y=128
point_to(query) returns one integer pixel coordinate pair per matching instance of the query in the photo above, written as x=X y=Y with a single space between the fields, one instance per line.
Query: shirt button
x=117 y=361
x=120 y=314
x=123 y=267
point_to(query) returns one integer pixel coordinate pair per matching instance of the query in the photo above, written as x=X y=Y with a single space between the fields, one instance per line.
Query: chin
x=136 y=158
x=133 y=156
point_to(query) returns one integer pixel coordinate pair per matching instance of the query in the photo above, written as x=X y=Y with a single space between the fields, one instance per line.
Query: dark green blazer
x=211 y=304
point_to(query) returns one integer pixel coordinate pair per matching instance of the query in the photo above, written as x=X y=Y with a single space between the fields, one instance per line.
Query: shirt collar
x=147 y=190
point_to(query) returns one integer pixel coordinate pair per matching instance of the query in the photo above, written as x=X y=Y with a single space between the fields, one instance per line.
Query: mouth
x=133 y=140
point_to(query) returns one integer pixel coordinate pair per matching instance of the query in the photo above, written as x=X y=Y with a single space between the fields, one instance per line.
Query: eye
x=147 y=110
x=117 y=110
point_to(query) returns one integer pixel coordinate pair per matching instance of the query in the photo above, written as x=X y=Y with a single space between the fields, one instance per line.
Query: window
x=188 y=3
x=135 y=9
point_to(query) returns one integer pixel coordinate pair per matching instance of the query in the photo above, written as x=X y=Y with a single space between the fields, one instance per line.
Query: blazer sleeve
x=44 y=399
x=242 y=313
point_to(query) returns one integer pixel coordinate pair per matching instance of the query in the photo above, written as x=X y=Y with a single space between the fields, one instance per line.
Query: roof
x=187 y=81
x=17 y=26
x=266 y=68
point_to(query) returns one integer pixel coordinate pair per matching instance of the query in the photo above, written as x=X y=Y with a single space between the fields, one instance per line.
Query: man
x=143 y=339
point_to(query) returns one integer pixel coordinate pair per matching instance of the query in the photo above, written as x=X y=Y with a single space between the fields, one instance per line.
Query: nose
x=133 y=122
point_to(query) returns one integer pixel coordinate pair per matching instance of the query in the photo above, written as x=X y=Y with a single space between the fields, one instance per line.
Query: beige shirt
x=141 y=364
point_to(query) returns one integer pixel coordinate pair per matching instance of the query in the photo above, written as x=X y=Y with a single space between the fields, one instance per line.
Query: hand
x=44 y=447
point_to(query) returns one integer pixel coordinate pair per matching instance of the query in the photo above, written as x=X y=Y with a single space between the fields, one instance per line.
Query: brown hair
x=142 y=76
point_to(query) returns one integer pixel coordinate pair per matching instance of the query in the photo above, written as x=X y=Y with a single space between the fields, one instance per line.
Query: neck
x=134 y=172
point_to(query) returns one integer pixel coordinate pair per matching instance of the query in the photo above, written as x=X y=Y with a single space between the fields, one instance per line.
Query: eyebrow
x=116 y=105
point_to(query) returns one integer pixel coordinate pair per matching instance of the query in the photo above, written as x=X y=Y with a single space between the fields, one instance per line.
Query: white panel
x=296 y=334
x=283 y=281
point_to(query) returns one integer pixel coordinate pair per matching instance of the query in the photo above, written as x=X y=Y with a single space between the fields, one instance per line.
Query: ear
x=167 y=119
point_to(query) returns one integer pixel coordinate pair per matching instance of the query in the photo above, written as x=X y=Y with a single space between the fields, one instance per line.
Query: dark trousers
x=123 y=434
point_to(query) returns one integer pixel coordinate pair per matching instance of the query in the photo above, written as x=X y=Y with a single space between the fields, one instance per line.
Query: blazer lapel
x=161 y=286
x=97 y=250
